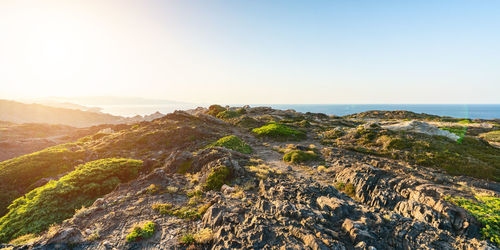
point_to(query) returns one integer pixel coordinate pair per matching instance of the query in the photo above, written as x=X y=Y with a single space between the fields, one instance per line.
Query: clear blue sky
x=285 y=51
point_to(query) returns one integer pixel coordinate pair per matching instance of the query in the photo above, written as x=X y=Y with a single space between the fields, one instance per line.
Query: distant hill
x=16 y=112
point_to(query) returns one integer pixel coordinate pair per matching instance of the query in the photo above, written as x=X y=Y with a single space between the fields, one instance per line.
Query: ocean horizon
x=472 y=111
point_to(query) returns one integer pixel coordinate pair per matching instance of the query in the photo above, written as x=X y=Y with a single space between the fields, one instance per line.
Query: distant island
x=17 y=112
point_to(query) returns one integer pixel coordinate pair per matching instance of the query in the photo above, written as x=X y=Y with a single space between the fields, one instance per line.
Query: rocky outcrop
x=421 y=127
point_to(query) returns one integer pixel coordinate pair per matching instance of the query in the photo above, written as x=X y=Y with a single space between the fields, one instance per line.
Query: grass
x=58 y=200
x=24 y=239
x=218 y=177
x=185 y=212
x=460 y=131
x=203 y=236
x=234 y=143
x=471 y=157
x=18 y=175
x=279 y=132
x=141 y=232
x=487 y=211
x=187 y=239
x=299 y=156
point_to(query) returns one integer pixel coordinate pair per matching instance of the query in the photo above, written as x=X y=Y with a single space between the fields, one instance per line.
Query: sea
x=472 y=111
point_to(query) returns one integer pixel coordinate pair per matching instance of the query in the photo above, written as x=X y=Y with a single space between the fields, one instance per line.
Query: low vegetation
x=234 y=143
x=58 y=200
x=299 y=156
x=215 y=109
x=187 y=239
x=487 y=211
x=460 y=131
x=17 y=175
x=216 y=178
x=228 y=114
x=279 y=132
x=190 y=212
x=493 y=136
x=471 y=157
x=348 y=188
x=141 y=232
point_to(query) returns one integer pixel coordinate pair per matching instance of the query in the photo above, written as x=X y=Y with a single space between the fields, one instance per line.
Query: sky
x=253 y=52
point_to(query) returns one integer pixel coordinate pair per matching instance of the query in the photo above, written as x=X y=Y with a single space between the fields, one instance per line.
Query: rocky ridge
x=343 y=200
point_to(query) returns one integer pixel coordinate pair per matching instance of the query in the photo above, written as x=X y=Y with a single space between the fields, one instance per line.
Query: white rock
x=421 y=127
x=227 y=189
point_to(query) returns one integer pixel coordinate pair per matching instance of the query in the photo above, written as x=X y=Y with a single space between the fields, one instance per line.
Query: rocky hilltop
x=259 y=178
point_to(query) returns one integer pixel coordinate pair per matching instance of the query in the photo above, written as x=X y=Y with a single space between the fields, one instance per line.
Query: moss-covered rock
x=279 y=132
x=234 y=143
x=299 y=156
x=216 y=178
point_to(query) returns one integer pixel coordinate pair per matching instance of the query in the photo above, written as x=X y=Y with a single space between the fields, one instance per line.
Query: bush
x=487 y=211
x=17 y=175
x=58 y=200
x=234 y=143
x=299 y=156
x=139 y=233
x=279 y=131
x=347 y=188
x=217 y=178
x=460 y=131
x=186 y=212
x=227 y=114
x=215 y=109
x=187 y=239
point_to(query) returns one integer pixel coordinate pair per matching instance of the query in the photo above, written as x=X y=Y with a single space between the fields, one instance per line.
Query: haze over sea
x=473 y=111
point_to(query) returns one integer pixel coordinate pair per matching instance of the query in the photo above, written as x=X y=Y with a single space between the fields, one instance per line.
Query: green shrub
x=186 y=212
x=217 y=178
x=215 y=109
x=487 y=211
x=466 y=121
x=139 y=233
x=460 y=131
x=187 y=239
x=58 y=200
x=227 y=114
x=347 y=188
x=17 y=175
x=247 y=122
x=279 y=131
x=185 y=166
x=299 y=156
x=234 y=143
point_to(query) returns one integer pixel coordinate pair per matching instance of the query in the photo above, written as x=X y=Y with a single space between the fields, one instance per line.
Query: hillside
x=258 y=178
x=17 y=112
x=21 y=139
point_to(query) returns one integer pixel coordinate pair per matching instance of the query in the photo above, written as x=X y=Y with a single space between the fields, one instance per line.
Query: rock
x=227 y=189
x=421 y=127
